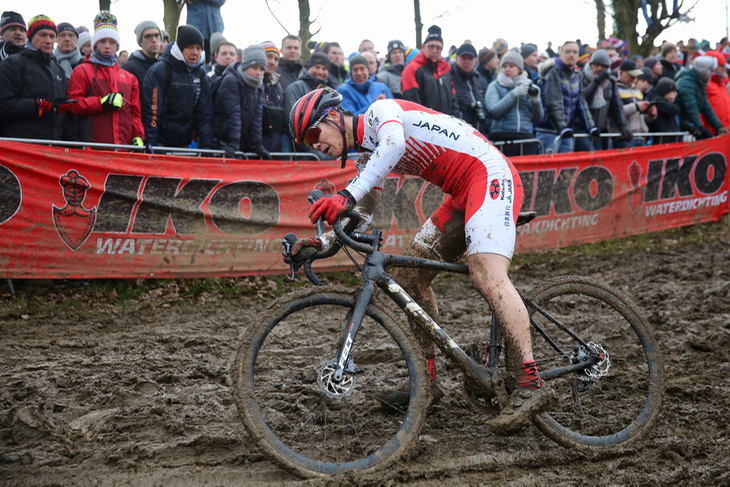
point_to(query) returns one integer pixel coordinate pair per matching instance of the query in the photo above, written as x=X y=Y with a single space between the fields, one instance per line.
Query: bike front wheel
x=614 y=401
x=309 y=424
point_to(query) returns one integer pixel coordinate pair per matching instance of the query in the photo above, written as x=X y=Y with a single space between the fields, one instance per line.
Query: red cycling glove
x=44 y=106
x=330 y=207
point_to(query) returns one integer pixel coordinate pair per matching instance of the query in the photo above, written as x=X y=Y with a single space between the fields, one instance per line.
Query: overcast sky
x=249 y=21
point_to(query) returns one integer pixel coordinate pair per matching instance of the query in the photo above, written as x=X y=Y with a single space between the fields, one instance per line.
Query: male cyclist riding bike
x=484 y=197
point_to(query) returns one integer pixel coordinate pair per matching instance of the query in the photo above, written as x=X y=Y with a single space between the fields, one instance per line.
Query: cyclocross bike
x=310 y=372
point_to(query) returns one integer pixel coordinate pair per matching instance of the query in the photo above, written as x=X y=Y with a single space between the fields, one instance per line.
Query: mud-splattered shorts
x=484 y=211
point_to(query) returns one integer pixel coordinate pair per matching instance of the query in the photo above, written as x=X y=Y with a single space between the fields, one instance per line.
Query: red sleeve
x=78 y=86
x=138 y=128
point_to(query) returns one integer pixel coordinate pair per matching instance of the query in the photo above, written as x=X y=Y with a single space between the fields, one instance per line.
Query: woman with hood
x=108 y=104
x=513 y=107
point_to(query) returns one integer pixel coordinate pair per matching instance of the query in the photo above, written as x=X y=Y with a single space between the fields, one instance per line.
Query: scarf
x=510 y=83
x=98 y=58
x=252 y=82
x=176 y=53
x=68 y=61
x=598 y=99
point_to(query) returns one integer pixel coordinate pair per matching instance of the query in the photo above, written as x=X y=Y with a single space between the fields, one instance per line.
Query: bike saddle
x=526 y=217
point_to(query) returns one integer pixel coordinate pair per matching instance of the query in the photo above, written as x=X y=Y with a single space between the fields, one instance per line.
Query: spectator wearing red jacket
x=108 y=97
x=717 y=90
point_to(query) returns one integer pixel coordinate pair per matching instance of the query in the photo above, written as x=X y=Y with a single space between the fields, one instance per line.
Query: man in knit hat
x=692 y=98
x=12 y=34
x=663 y=96
x=469 y=93
x=239 y=105
x=274 y=118
x=392 y=70
x=487 y=67
x=637 y=109
x=427 y=79
x=531 y=60
x=362 y=90
x=500 y=46
x=717 y=89
x=149 y=39
x=176 y=98
x=67 y=55
x=33 y=87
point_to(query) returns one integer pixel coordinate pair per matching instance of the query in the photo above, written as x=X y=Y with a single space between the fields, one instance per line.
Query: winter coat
x=358 y=98
x=25 y=77
x=430 y=85
x=630 y=97
x=468 y=94
x=275 y=120
x=289 y=72
x=68 y=61
x=391 y=76
x=299 y=88
x=485 y=77
x=666 y=119
x=338 y=75
x=532 y=74
x=560 y=95
x=238 y=110
x=7 y=49
x=510 y=113
x=692 y=100
x=170 y=112
x=89 y=82
x=719 y=99
x=613 y=107
x=205 y=15
x=138 y=64
x=669 y=70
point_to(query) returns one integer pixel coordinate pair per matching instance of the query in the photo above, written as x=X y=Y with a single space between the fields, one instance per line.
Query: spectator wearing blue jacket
x=361 y=90
x=239 y=104
x=511 y=108
x=205 y=15
x=176 y=95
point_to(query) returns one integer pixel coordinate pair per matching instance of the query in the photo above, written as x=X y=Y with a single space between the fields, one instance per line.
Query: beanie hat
x=270 y=47
x=81 y=29
x=666 y=47
x=467 y=49
x=486 y=55
x=650 y=62
x=411 y=53
x=215 y=40
x=143 y=26
x=646 y=74
x=319 y=58
x=187 y=36
x=393 y=45
x=434 y=34
x=65 y=26
x=583 y=59
x=253 y=56
x=38 y=23
x=316 y=46
x=513 y=57
x=666 y=85
x=526 y=50
x=499 y=44
x=600 y=57
x=10 y=19
x=359 y=60
x=84 y=37
x=704 y=66
x=105 y=27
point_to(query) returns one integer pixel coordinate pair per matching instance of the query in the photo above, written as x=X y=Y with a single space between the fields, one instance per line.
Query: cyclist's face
x=330 y=137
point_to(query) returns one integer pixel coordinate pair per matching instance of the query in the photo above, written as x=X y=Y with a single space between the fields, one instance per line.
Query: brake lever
x=288 y=243
x=314 y=196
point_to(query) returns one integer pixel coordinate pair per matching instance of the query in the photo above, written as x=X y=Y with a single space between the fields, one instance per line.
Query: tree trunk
x=419 y=24
x=105 y=4
x=601 y=19
x=304 y=25
x=171 y=17
x=625 y=18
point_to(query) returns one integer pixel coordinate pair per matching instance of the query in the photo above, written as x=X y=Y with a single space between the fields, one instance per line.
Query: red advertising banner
x=68 y=213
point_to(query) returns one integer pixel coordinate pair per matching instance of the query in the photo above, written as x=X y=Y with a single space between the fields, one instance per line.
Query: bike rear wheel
x=306 y=423
x=617 y=407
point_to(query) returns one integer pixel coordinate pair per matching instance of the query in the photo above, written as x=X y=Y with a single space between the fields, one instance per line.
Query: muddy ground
x=119 y=383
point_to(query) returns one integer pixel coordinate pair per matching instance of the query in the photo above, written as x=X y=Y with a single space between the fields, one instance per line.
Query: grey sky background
x=348 y=22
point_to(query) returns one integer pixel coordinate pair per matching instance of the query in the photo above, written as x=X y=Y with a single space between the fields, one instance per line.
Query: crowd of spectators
x=60 y=82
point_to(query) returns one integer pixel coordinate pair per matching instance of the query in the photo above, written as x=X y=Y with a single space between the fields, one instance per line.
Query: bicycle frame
x=374 y=274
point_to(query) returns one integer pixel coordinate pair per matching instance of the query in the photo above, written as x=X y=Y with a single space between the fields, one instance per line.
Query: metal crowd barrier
x=554 y=149
x=173 y=151
x=521 y=143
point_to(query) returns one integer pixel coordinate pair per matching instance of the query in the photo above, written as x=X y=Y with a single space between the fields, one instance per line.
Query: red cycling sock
x=528 y=376
x=432 y=368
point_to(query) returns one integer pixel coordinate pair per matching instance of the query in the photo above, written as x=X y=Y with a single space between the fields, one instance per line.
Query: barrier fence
x=73 y=213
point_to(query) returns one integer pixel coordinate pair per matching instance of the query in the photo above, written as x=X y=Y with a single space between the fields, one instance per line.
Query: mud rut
x=139 y=394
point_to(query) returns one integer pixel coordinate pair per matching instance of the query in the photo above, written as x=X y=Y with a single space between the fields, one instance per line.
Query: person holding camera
x=513 y=105
x=469 y=93
x=598 y=88
x=638 y=110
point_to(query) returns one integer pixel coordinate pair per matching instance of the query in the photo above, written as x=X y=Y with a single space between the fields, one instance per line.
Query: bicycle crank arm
x=569 y=369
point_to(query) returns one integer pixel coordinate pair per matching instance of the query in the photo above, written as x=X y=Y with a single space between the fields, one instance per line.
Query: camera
x=478 y=107
x=533 y=90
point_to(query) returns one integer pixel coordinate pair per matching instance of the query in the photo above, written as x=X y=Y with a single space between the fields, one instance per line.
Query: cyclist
x=484 y=197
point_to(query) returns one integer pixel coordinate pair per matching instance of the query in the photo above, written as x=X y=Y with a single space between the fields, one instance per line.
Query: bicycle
x=307 y=374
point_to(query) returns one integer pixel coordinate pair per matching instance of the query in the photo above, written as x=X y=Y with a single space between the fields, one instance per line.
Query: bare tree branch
x=277 y=19
x=317 y=16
